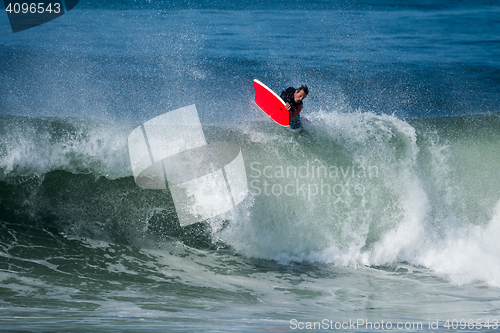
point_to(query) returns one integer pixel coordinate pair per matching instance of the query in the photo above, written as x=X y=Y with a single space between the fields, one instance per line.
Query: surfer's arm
x=295 y=112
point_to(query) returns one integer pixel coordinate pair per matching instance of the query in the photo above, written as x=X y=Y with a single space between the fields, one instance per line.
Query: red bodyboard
x=271 y=103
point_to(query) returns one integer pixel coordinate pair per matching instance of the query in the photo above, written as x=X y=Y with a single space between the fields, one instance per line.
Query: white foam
x=36 y=146
x=334 y=228
x=410 y=213
x=467 y=254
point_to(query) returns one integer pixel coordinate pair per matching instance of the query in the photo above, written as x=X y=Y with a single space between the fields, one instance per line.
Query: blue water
x=403 y=112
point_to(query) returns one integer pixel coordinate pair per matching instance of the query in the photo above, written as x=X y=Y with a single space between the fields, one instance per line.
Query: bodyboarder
x=293 y=103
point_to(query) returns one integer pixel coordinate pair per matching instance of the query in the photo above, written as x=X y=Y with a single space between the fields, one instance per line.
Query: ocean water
x=382 y=215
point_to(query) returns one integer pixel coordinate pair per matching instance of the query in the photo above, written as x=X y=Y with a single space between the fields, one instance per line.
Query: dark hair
x=304 y=88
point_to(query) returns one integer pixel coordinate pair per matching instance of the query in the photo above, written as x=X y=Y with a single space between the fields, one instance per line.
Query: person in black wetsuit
x=293 y=103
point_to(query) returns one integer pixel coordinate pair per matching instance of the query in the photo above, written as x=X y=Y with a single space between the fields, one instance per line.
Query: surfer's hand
x=287 y=106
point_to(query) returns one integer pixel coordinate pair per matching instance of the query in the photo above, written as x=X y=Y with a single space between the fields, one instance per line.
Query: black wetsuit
x=287 y=96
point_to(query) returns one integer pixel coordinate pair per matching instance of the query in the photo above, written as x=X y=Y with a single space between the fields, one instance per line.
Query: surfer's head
x=301 y=93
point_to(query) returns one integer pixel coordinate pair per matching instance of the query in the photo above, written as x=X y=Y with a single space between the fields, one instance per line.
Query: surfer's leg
x=295 y=123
